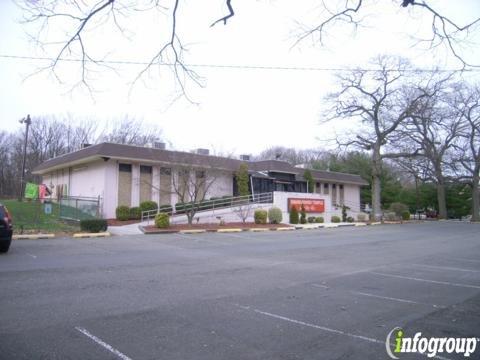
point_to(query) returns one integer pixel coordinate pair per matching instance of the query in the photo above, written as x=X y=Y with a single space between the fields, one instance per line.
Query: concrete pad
x=193 y=231
x=32 y=236
x=91 y=235
x=229 y=230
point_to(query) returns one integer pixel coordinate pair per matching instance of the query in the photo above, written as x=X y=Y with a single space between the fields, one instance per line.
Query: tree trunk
x=190 y=215
x=442 y=203
x=376 y=186
x=476 y=197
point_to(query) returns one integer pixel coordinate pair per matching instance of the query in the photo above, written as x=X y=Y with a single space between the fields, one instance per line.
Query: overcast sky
x=239 y=110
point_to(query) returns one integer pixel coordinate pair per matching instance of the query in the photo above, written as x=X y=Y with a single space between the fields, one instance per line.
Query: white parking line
x=396 y=299
x=426 y=280
x=31 y=255
x=326 y=329
x=446 y=268
x=103 y=344
x=463 y=259
x=334 y=331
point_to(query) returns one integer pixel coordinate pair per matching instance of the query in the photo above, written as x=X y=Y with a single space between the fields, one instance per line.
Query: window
x=125 y=167
x=342 y=195
x=334 y=194
x=145 y=169
x=325 y=189
x=165 y=171
x=318 y=188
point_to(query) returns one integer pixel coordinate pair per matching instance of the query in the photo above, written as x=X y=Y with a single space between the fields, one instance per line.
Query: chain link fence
x=79 y=208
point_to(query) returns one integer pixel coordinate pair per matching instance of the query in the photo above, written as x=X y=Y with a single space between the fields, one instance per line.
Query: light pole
x=27 y=121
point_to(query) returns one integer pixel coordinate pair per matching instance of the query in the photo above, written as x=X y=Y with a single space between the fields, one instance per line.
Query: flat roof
x=169 y=157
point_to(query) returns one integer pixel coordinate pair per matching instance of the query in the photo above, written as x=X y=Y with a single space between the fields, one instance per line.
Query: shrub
x=135 y=213
x=398 y=208
x=148 y=205
x=162 y=220
x=344 y=213
x=390 y=216
x=406 y=215
x=362 y=217
x=303 y=215
x=166 y=208
x=293 y=215
x=311 y=219
x=122 y=213
x=260 y=216
x=93 y=225
x=350 y=219
x=275 y=215
x=335 y=219
x=319 y=219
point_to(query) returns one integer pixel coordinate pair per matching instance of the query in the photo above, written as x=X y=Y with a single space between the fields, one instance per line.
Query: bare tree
x=434 y=127
x=352 y=13
x=130 y=131
x=190 y=184
x=381 y=101
x=66 y=29
x=467 y=154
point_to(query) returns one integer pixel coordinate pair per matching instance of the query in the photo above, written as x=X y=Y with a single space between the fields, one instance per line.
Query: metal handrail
x=212 y=205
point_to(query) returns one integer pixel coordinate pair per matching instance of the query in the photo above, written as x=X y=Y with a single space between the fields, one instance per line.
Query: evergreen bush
x=293 y=215
x=303 y=215
x=319 y=219
x=335 y=219
x=260 y=216
x=275 y=215
x=93 y=225
x=122 y=213
x=162 y=220
x=135 y=213
x=148 y=205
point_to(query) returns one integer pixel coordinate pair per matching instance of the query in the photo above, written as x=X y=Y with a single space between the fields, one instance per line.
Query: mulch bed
x=115 y=222
x=213 y=227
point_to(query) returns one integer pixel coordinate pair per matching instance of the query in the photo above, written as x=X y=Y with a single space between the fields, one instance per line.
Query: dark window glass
x=125 y=167
x=165 y=171
x=145 y=169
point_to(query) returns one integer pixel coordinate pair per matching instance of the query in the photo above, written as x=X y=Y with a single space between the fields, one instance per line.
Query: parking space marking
x=103 y=344
x=427 y=280
x=396 y=299
x=330 y=330
x=463 y=259
x=446 y=268
x=327 y=329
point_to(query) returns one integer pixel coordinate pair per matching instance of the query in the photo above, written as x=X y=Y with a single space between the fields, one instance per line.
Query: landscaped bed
x=152 y=229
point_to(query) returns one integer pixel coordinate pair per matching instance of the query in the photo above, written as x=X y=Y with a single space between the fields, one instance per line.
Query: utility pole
x=27 y=121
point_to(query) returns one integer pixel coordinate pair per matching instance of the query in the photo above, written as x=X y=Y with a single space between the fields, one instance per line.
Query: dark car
x=5 y=229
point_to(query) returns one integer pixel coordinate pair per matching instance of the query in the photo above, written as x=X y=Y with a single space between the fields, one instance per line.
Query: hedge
x=122 y=213
x=162 y=220
x=335 y=219
x=303 y=215
x=148 y=205
x=260 y=216
x=135 y=213
x=406 y=215
x=275 y=215
x=93 y=225
x=350 y=219
x=311 y=219
x=293 y=215
x=319 y=219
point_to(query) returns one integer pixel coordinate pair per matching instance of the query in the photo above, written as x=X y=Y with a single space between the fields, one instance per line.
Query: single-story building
x=127 y=175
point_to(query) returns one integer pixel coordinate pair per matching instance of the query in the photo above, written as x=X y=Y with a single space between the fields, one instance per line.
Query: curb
x=343 y=225
x=91 y=235
x=229 y=230
x=194 y=231
x=261 y=229
x=330 y=226
x=32 y=236
x=286 y=229
x=375 y=223
x=360 y=224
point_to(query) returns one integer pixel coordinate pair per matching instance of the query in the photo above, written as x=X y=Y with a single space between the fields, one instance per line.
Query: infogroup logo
x=429 y=346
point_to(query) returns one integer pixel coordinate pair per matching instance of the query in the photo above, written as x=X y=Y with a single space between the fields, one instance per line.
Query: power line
x=224 y=66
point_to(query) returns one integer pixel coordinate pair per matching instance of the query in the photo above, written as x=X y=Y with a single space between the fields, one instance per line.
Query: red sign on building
x=310 y=205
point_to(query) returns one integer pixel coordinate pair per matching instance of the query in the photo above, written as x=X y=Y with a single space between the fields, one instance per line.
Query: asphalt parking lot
x=318 y=294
